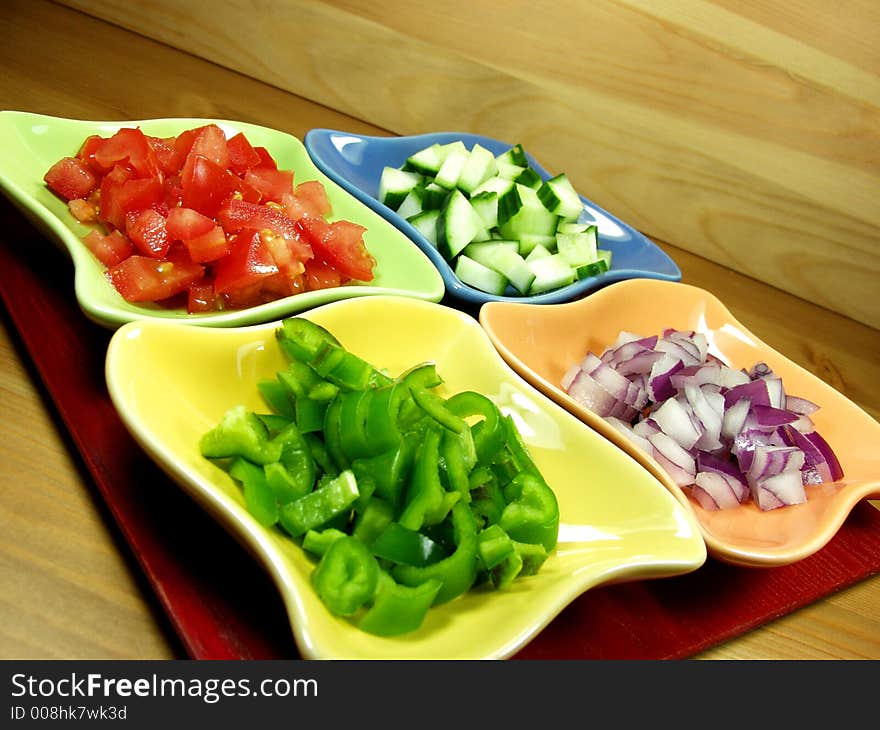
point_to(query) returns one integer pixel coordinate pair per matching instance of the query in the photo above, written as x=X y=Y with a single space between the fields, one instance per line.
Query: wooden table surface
x=70 y=588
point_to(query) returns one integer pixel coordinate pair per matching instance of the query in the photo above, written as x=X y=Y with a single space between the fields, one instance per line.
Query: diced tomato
x=145 y=279
x=129 y=147
x=206 y=185
x=314 y=197
x=87 y=154
x=121 y=195
x=173 y=191
x=70 y=178
x=320 y=275
x=209 y=246
x=183 y=144
x=266 y=160
x=248 y=262
x=242 y=155
x=339 y=244
x=169 y=159
x=282 y=285
x=210 y=142
x=201 y=298
x=148 y=233
x=109 y=249
x=186 y=223
x=85 y=211
x=272 y=184
x=238 y=215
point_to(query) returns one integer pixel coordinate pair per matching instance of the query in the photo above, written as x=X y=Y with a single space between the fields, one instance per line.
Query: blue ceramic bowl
x=356 y=162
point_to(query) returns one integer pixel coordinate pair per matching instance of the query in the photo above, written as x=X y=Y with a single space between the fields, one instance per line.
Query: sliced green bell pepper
x=319 y=507
x=346 y=577
x=399 y=609
x=259 y=499
x=532 y=512
x=240 y=433
x=403 y=546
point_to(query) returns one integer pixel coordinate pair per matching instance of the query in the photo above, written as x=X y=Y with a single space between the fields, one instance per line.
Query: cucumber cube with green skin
x=395 y=185
x=479 y=277
x=605 y=255
x=516 y=155
x=434 y=196
x=449 y=172
x=593 y=269
x=426 y=161
x=412 y=203
x=578 y=248
x=514 y=268
x=486 y=252
x=486 y=204
x=497 y=184
x=458 y=225
x=559 y=196
x=529 y=178
x=478 y=168
x=426 y=224
x=520 y=211
x=509 y=170
x=551 y=272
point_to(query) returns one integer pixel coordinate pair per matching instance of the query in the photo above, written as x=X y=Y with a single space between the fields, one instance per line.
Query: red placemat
x=234 y=611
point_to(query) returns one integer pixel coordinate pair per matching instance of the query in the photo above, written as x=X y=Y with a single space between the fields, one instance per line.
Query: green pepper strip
x=532 y=512
x=333 y=434
x=459 y=571
x=489 y=434
x=319 y=453
x=454 y=466
x=372 y=521
x=399 y=609
x=298 y=379
x=425 y=496
x=533 y=556
x=434 y=406
x=310 y=414
x=259 y=499
x=493 y=546
x=406 y=547
x=352 y=424
x=382 y=431
x=318 y=542
x=240 y=433
x=301 y=339
x=389 y=470
x=294 y=474
x=274 y=424
x=321 y=505
x=276 y=396
x=503 y=574
x=346 y=577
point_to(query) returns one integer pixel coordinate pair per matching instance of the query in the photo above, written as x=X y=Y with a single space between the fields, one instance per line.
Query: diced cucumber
x=516 y=155
x=528 y=241
x=578 y=248
x=569 y=227
x=426 y=224
x=551 y=272
x=605 y=255
x=434 y=196
x=509 y=171
x=560 y=197
x=479 y=277
x=529 y=178
x=456 y=157
x=395 y=185
x=486 y=204
x=513 y=267
x=520 y=211
x=426 y=161
x=497 y=184
x=486 y=252
x=593 y=269
x=458 y=225
x=412 y=203
x=480 y=166
x=539 y=252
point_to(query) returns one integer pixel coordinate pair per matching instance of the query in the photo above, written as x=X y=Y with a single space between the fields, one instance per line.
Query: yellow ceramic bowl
x=171 y=383
x=541 y=343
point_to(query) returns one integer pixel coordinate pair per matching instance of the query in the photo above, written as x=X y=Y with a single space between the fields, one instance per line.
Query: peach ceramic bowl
x=542 y=342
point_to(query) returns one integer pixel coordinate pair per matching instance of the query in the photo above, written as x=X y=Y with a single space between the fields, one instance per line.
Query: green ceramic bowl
x=32 y=143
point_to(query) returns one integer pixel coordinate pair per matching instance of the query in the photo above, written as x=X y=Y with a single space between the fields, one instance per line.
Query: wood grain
x=69 y=586
x=749 y=133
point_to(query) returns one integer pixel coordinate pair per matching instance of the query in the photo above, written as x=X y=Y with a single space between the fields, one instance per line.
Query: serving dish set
x=622 y=518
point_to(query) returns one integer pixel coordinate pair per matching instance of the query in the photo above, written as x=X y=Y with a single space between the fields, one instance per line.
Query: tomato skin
x=166 y=155
x=210 y=142
x=149 y=234
x=145 y=279
x=186 y=223
x=206 y=186
x=242 y=155
x=339 y=244
x=272 y=184
x=109 y=249
x=248 y=262
x=70 y=178
x=266 y=159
